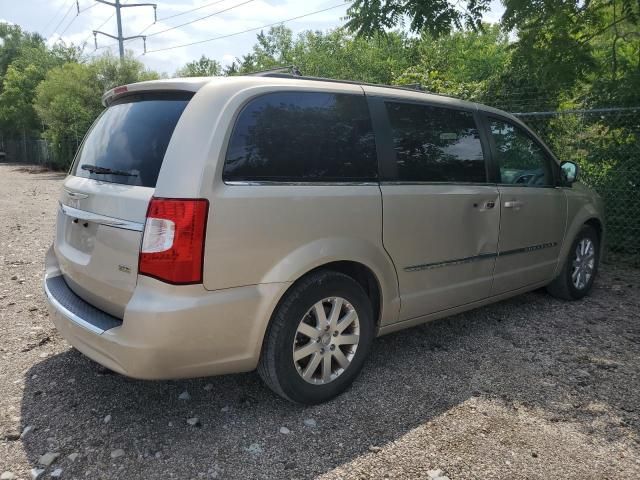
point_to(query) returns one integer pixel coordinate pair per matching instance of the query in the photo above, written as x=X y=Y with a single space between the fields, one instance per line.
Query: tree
x=68 y=53
x=205 y=67
x=559 y=47
x=436 y=17
x=27 y=69
x=13 y=41
x=111 y=72
x=273 y=49
x=68 y=100
x=461 y=63
x=334 y=54
x=338 y=54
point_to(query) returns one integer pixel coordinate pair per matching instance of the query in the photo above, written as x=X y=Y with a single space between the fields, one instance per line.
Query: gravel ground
x=531 y=387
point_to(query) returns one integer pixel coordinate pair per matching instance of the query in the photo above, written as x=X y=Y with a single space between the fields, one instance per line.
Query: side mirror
x=570 y=172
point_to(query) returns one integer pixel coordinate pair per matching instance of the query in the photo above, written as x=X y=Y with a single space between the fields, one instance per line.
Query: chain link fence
x=36 y=151
x=605 y=143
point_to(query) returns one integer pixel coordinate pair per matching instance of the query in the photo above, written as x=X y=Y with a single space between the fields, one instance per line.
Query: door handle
x=513 y=204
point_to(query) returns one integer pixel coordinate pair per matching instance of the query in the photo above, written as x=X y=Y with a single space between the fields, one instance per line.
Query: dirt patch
x=33 y=169
x=532 y=387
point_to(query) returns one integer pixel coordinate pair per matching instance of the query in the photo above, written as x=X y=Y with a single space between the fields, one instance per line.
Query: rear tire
x=309 y=355
x=580 y=268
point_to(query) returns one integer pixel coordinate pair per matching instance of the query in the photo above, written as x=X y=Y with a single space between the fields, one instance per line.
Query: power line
x=68 y=25
x=62 y=19
x=200 y=19
x=77 y=15
x=178 y=14
x=80 y=11
x=189 y=11
x=88 y=8
x=53 y=17
x=99 y=27
x=246 y=31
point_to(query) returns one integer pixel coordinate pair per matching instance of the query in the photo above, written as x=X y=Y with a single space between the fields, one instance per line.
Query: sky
x=58 y=19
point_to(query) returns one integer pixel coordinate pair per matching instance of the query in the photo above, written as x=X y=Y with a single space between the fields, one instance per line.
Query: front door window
x=521 y=160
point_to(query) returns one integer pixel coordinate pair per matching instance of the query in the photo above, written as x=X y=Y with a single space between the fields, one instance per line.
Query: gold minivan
x=219 y=225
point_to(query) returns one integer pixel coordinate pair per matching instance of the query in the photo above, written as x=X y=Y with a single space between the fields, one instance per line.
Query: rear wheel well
x=361 y=274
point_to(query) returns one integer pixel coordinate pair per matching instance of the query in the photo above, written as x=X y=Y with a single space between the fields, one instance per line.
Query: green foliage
x=68 y=101
x=559 y=49
x=460 y=64
x=606 y=147
x=435 y=17
x=205 y=67
x=272 y=50
x=69 y=98
x=335 y=54
x=14 y=40
x=24 y=62
x=110 y=71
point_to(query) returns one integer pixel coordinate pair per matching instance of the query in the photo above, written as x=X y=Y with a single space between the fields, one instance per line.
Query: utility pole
x=117 y=5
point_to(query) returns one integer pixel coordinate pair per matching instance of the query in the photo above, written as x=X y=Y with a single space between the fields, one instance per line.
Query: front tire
x=580 y=269
x=318 y=338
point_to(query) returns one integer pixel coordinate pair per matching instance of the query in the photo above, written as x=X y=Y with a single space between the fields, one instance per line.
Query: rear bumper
x=168 y=331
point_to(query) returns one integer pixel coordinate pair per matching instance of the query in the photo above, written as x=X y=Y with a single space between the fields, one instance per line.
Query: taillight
x=173 y=241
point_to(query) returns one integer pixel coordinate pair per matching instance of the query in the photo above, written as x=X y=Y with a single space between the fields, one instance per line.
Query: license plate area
x=80 y=234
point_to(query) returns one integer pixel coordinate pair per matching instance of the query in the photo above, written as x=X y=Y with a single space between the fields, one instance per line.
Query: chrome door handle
x=513 y=204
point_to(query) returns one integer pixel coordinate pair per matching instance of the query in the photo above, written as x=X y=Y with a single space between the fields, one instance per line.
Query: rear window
x=128 y=141
x=303 y=136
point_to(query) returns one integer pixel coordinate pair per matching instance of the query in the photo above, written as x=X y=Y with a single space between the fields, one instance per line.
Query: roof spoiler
x=164 y=85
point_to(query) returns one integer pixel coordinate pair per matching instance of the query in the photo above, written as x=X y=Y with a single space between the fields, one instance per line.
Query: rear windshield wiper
x=106 y=171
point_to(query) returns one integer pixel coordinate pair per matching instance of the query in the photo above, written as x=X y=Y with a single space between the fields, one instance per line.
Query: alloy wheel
x=326 y=340
x=584 y=263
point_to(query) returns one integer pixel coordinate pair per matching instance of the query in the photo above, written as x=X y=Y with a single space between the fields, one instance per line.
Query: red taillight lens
x=173 y=242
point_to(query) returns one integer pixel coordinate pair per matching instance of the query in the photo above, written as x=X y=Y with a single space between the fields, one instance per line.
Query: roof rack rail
x=290 y=70
x=412 y=87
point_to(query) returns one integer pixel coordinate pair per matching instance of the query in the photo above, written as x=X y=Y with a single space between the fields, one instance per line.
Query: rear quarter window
x=302 y=136
x=131 y=137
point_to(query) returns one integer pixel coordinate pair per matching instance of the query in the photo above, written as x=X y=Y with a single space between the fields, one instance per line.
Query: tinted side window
x=435 y=144
x=521 y=160
x=303 y=136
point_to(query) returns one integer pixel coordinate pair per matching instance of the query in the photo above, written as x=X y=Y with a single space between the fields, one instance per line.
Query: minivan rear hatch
x=105 y=198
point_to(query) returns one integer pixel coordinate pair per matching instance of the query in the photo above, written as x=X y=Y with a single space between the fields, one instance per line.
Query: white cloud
x=228 y=59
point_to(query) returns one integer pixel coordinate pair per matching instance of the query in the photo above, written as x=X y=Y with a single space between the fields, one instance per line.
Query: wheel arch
x=367 y=263
x=596 y=223
x=587 y=215
x=363 y=275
